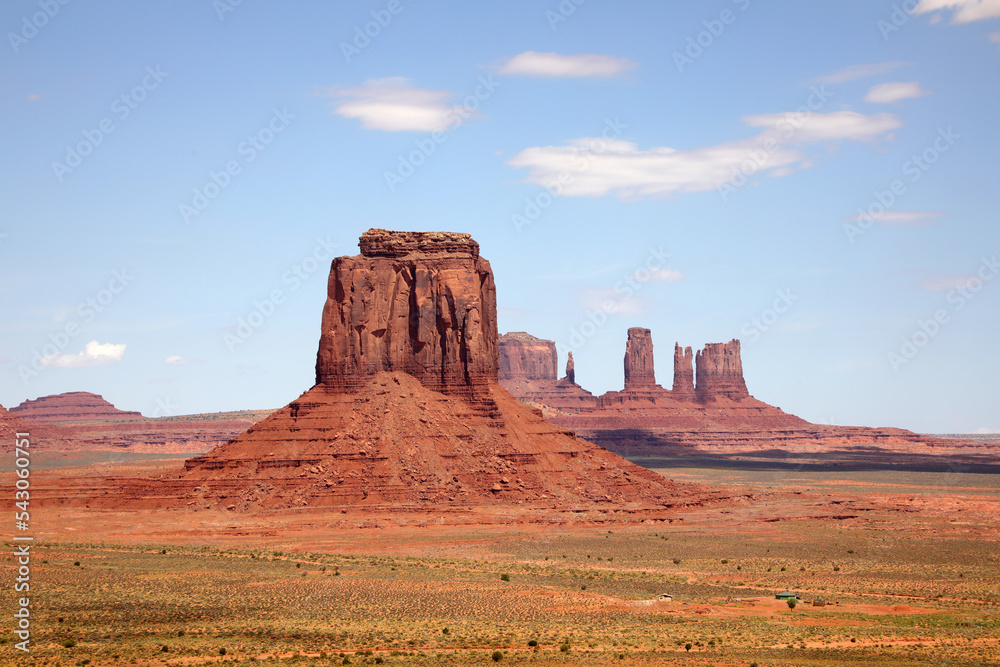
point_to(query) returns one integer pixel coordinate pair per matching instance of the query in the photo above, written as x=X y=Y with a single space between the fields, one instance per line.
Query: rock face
x=683 y=389
x=408 y=359
x=639 y=360
x=419 y=303
x=524 y=356
x=720 y=372
x=71 y=407
x=570 y=368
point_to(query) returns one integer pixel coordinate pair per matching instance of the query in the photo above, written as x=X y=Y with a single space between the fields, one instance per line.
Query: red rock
x=683 y=389
x=420 y=303
x=570 y=368
x=74 y=406
x=639 y=359
x=719 y=372
x=408 y=360
x=524 y=356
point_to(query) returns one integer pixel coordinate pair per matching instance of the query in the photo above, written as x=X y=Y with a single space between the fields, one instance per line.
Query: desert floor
x=907 y=563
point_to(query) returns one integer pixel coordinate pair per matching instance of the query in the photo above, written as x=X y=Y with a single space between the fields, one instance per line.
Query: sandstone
x=419 y=303
x=719 y=372
x=524 y=356
x=683 y=389
x=407 y=409
x=74 y=406
x=639 y=359
x=570 y=368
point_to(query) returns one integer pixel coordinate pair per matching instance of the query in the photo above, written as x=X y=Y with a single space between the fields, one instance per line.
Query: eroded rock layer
x=420 y=303
x=74 y=406
x=639 y=372
x=524 y=356
x=719 y=372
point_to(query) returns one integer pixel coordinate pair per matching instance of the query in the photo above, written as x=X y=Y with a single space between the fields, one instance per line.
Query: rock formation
x=74 y=406
x=719 y=372
x=419 y=303
x=639 y=360
x=570 y=368
x=407 y=410
x=524 y=356
x=683 y=389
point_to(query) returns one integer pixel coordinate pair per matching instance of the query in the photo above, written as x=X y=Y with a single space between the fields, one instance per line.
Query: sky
x=817 y=179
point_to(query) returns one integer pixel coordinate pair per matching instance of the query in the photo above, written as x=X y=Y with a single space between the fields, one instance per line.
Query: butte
x=407 y=410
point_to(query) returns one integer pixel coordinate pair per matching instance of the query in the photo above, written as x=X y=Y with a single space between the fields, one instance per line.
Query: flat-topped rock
x=387 y=243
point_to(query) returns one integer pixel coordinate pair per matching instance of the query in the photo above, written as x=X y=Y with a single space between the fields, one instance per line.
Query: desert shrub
x=725 y=562
x=497 y=656
x=791 y=603
x=504 y=577
x=687 y=647
x=677 y=561
x=564 y=647
x=69 y=643
x=445 y=631
x=76 y=563
x=532 y=642
x=222 y=651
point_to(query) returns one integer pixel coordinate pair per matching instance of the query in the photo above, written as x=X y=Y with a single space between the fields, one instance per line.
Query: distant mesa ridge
x=71 y=407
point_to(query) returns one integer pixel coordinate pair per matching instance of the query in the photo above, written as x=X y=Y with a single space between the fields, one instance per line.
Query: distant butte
x=75 y=406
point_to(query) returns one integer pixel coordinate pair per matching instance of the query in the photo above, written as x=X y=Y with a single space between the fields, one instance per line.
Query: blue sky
x=816 y=179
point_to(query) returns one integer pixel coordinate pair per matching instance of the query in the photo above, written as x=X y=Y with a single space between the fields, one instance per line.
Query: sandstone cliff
x=524 y=356
x=639 y=360
x=719 y=372
x=420 y=303
x=683 y=389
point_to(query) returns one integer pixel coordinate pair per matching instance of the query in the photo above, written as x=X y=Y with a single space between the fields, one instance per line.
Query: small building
x=665 y=596
x=785 y=595
x=819 y=602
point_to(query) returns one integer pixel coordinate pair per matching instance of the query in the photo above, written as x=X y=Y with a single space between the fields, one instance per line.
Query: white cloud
x=593 y=167
x=612 y=301
x=899 y=218
x=860 y=71
x=944 y=283
x=393 y=105
x=658 y=275
x=177 y=360
x=93 y=354
x=534 y=63
x=894 y=91
x=965 y=11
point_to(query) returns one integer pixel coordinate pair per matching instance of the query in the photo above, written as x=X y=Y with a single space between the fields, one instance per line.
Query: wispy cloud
x=965 y=11
x=177 y=360
x=393 y=105
x=93 y=354
x=611 y=300
x=945 y=283
x=894 y=91
x=899 y=218
x=623 y=168
x=535 y=63
x=860 y=71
